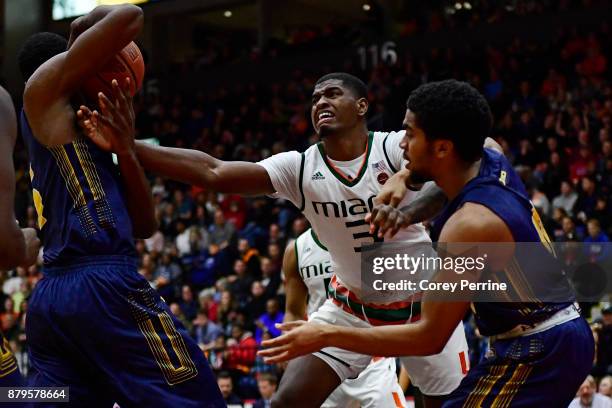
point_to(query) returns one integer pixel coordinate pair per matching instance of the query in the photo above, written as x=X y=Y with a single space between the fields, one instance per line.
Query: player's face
x=417 y=150
x=334 y=107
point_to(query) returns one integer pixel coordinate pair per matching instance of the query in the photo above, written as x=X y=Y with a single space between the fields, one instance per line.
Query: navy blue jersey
x=80 y=207
x=500 y=189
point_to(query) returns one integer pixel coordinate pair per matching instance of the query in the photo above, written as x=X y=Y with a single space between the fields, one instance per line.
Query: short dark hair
x=453 y=110
x=38 y=49
x=271 y=378
x=224 y=375
x=356 y=85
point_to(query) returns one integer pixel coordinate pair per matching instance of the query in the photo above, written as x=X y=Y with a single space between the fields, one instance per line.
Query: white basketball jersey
x=336 y=207
x=314 y=266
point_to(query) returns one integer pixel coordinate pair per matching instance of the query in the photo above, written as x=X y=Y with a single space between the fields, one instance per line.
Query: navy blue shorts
x=541 y=370
x=98 y=327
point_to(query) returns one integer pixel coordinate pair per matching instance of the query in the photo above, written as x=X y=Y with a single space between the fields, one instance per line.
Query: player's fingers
x=373 y=216
x=285 y=356
x=389 y=222
x=380 y=218
x=104 y=121
x=106 y=106
x=288 y=326
x=120 y=96
x=395 y=200
x=129 y=98
x=275 y=342
x=83 y=113
x=272 y=351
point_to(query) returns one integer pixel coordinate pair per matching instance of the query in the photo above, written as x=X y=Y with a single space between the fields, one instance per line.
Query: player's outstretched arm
x=17 y=246
x=113 y=129
x=295 y=289
x=198 y=168
x=472 y=223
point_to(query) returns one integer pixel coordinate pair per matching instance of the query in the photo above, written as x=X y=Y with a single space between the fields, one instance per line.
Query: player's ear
x=442 y=148
x=362 y=106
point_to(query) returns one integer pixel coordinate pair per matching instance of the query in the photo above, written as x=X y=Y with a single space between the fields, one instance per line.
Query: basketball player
x=334 y=184
x=307 y=269
x=540 y=351
x=17 y=246
x=94 y=323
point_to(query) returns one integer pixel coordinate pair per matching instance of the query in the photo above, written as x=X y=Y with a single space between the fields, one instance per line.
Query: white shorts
x=376 y=386
x=438 y=374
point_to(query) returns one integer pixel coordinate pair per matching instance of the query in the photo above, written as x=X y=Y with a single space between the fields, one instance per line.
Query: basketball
x=128 y=63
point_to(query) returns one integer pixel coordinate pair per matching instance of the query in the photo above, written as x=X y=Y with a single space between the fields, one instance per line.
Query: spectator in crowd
x=188 y=304
x=241 y=281
x=242 y=349
x=250 y=256
x=567 y=199
x=176 y=310
x=266 y=383
x=587 y=396
x=570 y=233
x=598 y=248
x=226 y=385
x=221 y=232
x=167 y=276
x=205 y=331
x=271 y=278
x=605 y=386
x=585 y=206
x=267 y=322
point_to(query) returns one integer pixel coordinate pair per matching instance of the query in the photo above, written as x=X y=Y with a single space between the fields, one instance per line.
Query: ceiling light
x=458 y=6
x=227 y=13
x=366 y=7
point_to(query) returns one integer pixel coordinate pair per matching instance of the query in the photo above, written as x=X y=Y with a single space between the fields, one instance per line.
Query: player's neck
x=453 y=179
x=346 y=146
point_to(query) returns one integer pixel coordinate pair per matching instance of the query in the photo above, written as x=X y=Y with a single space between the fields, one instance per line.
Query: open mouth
x=324 y=117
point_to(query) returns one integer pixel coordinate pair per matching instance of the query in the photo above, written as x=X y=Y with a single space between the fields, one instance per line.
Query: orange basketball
x=128 y=63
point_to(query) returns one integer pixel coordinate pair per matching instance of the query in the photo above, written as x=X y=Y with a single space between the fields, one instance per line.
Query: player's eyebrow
x=406 y=126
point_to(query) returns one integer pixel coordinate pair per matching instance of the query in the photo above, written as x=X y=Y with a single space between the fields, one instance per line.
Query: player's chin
x=327 y=129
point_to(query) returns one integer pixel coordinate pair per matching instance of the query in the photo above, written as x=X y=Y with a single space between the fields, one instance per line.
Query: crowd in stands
x=216 y=258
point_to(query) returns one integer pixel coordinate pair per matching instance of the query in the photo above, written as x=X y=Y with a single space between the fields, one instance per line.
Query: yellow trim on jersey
x=510 y=389
x=39 y=206
x=89 y=168
x=539 y=227
x=69 y=175
x=484 y=386
x=521 y=285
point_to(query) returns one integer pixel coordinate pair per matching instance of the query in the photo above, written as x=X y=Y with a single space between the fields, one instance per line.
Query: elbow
x=146 y=229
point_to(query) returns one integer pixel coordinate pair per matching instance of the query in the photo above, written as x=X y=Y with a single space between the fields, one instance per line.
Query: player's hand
x=300 y=338
x=387 y=220
x=394 y=190
x=113 y=127
x=32 y=246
